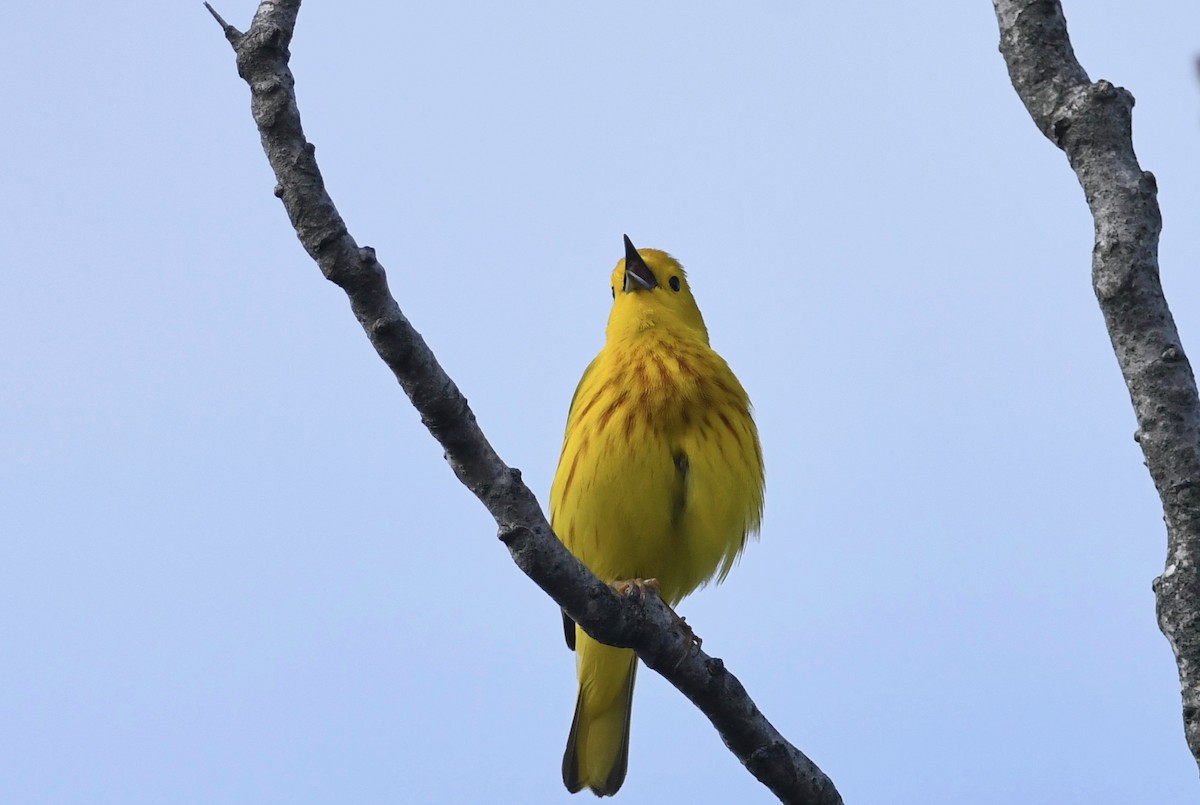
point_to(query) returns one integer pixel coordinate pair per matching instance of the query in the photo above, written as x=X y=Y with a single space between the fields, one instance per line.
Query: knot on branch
x=511 y=534
x=769 y=755
x=267 y=85
x=1104 y=90
x=1090 y=113
x=269 y=37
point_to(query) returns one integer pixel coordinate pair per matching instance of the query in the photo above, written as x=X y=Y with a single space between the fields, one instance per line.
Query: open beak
x=638 y=276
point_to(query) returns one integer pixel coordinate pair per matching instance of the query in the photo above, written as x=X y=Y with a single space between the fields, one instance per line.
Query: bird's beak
x=638 y=276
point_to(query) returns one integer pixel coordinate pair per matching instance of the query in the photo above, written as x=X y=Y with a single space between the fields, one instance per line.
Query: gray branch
x=648 y=625
x=1091 y=123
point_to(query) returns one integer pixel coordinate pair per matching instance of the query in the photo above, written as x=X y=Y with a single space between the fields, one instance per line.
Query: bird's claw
x=636 y=587
x=692 y=640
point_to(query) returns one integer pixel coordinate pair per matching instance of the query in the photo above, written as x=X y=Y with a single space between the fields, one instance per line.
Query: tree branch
x=647 y=626
x=1091 y=123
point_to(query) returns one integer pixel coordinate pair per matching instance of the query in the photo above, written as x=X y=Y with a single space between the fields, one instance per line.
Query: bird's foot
x=639 y=587
x=693 y=640
x=636 y=587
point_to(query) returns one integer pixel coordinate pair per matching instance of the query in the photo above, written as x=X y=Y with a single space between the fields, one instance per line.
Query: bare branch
x=649 y=627
x=231 y=33
x=1091 y=123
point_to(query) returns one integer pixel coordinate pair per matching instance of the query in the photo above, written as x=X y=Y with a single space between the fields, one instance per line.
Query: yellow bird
x=661 y=477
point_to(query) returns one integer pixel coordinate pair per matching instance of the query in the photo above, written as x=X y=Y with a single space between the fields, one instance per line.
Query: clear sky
x=234 y=567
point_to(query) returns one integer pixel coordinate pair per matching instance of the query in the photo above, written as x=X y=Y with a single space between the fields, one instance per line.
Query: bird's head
x=650 y=289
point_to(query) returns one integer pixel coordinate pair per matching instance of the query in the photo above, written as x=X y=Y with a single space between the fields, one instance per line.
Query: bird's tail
x=598 y=747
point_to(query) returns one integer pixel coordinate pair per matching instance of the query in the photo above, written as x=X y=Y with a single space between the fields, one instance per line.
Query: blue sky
x=234 y=567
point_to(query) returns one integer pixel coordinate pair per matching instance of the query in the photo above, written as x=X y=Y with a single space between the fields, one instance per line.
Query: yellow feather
x=661 y=476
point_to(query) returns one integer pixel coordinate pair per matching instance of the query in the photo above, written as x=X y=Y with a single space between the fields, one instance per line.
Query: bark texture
x=1091 y=123
x=648 y=625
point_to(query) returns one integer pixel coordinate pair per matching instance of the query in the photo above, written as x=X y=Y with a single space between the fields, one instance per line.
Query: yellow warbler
x=661 y=477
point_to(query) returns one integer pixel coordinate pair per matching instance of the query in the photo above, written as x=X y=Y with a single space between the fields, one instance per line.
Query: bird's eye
x=614 y=291
x=674 y=283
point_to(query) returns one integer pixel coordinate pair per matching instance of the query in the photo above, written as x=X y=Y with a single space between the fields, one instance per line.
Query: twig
x=231 y=33
x=649 y=626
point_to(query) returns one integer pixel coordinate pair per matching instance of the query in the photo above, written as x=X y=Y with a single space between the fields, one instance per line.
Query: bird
x=660 y=484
